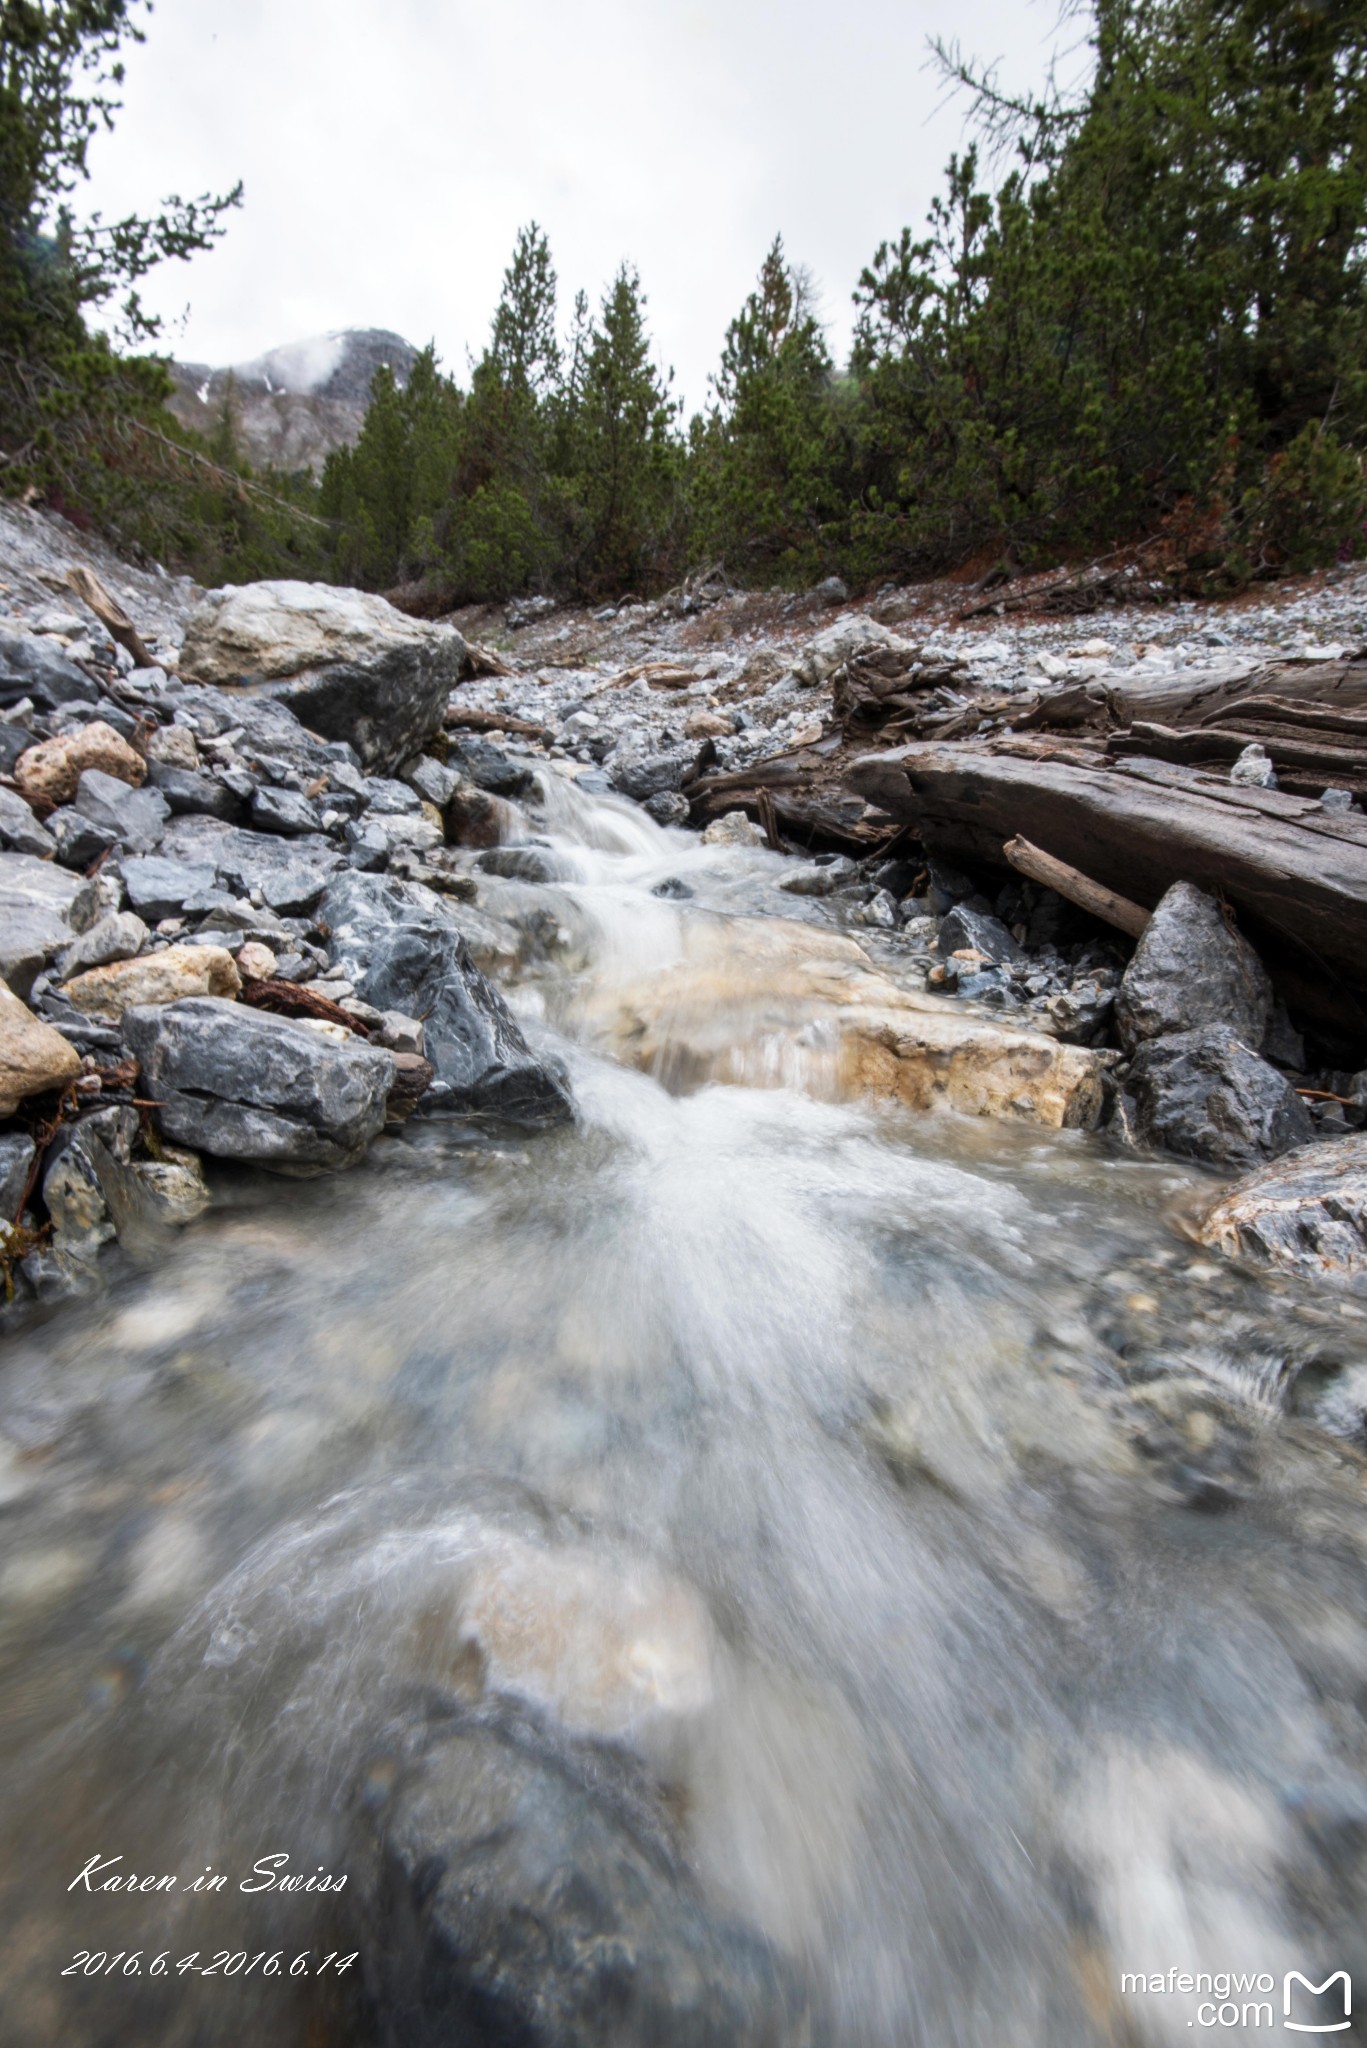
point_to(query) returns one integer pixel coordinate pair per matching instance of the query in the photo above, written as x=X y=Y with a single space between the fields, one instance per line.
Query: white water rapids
x=970 y=1560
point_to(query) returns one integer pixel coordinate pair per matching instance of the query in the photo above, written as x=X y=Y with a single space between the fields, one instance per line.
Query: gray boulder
x=287 y=812
x=33 y=666
x=640 y=776
x=344 y=662
x=120 y=936
x=187 y=791
x=1306 y=1214
x=158 y=887
x=42 y=908
x=402 y=951
x=290 y=873
x=1206 y=1095
x=529 y=1891
x=488 y=767
x=19 y=829
x=136 y=817
x=1190 y=970
x=242 y=1084
x=78 y=840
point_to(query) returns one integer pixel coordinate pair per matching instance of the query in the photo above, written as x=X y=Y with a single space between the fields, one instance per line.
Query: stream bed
x=750 y=1566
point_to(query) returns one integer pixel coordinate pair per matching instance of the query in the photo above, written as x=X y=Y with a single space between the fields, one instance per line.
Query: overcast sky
x=391 y=148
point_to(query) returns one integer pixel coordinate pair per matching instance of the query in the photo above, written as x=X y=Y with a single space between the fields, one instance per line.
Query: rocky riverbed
x=758 y=1445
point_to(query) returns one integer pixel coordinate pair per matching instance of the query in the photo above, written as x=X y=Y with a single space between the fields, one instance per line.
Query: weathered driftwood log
x=110 y=614
x=1297 y=875
x=1305 y=765
x=1088 y=895
x=1106 y=703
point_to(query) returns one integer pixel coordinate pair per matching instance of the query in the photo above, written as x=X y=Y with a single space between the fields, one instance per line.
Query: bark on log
x=1296 y=875
x=1088 y=895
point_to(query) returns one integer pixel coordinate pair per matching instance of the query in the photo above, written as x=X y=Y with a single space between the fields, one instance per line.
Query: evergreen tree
x=629 y=455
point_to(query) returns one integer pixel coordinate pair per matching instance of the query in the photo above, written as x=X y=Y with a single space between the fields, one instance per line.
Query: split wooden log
x=110 y=614
x=1066 y=881
x=1296 y=875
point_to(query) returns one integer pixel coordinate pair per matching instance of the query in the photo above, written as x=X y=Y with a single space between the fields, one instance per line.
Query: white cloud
x=391 y=149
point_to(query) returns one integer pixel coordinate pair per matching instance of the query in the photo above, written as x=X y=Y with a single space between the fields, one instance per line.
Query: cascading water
x=874 y=1552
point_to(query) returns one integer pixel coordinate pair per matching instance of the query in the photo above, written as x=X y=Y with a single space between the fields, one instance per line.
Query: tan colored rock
x=175 y=746
x=33 y=1056
x=707 y=725
x=732 y=829
x=779 y=1004
x=256 y=962
x=49 y=772
x=155 y=978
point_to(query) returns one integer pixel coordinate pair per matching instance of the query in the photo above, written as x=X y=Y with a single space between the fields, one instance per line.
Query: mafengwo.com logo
x=1226 y=2000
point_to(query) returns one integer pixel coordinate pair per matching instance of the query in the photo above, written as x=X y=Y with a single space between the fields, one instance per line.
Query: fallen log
x=473 y=720
x=1296 y=875
x=1314 y=767
x=1065 y=881
x=110 y=614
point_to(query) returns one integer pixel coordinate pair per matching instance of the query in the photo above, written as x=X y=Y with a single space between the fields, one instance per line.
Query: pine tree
x=628 y=485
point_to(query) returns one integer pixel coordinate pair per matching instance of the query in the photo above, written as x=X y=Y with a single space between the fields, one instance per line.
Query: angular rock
x=256 y=962
x=290 y=873
x=1304 y=1214
x=670 y=807
x=20 y=831
x=857 y=635
x=346 y=663
x=33 y=1057
x=645 y=775
x=164 y=977
x=31 y=666
x=158 y=887
x=42 y=908
x=49 y=772
x=243 y=1084
x=136 y=817
x=187 y=792
x=732 y=829
x=433 y=780
x=284 y=811
x=368 y=846
x=1189 y=970
x=401 y=951
x=78 y=841
x=979 y=931
x=173 y=746
x=120 y=936
x=488 y=767
x=391 y=798
x=1206 y=1095
x=174 y=1185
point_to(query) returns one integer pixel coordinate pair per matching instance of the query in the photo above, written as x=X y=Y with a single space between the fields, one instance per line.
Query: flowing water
x=977 y=1566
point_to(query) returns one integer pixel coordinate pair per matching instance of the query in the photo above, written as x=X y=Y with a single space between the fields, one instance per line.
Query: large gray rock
x=1206 y=1095
x=1189 y=970
x=290 y=873
x=42 y=908
x=402 y=951
x=33 y=666
x=136 y=817
x=158 y=887
x=528 y=1892
x=186 y=790
x=640 y=776
x=1306 y=1214
x=346 y=663
x=19 y=829
x=488 y=767
x=242 y=1084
